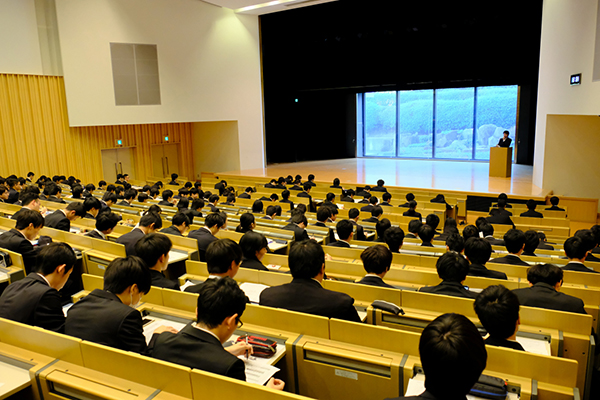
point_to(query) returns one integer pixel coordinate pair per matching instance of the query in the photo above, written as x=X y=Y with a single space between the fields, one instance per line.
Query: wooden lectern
x=501 y=161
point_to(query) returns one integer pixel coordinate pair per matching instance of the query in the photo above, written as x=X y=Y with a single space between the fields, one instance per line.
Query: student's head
x=92 y=205
x=531 y=241
x=323 y=213
x=223 y=256
x=254 y=245
x=154 y=250
x=380 y=182
x=452 y=267
x=270 y=211
x=414 y=226
x=151 y=221
x=154 y=208
x=412 y=204
x=29 y=222
x=300 y=208
x=410 y=197
x=377 y=211
x=221 y=304
x=248 y=190
x=498 y=310
x=531 y=204
x=56 y=258
x=299 y=218
x=386 y=196
x=102 y=184
x=344 y=229
x=367 y=195
x=76 y=192
x=30 y=199
x=246 y=223
x=394 y=237
x=470 y=231
x=231 y=198
x=130 y=194
x=426 y=233
x=433 y=221
x=376 y=259
x=306 y=259
x=111 y=188
x=576 y=248
x=181 y=221
x=350 y=192
x=197 y=204
x=285 y=194
x=274 y=197
x=514 y=240
x=128 y=277
x=330 y=197
x=381 y=226
x=541 y=236
x=306 y=186
x=4 y=192
x=501 y=203
x=554 y=200
x=12 y=182
x=183 y=204
x=214 y=220
x=257 y=206
x=30 y=175
x=106 y=222
x=588 y=238
x=174 y=176
x=75 y=210
x=478 y=250
x=455 y=242
x=545 y=273
x=486 y=228
x=311 y=177
x=167 y=195
x=336 y=182
x=353 y=213
x=453 y=356
x=373 y=200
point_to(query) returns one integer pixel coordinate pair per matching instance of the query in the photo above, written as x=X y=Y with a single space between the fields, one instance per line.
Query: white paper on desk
x=186 y=285
x=273 y=266
x=536 y=346
x=257 y=372
x=362 y=315
x=151 y=327
x=253 y=291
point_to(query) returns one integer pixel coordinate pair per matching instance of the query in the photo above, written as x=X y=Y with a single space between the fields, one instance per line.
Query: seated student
x=554 y=202
x=89 y=190
x=167 y=198
x=92 y=207
x=498 y=311
x=353 y=215
x=179 y=224
x=366 y=196
x=297 y=185
x=386 y=197
x=34 y=300
x=311 y=179
x=372 y=204
x=212 y=203
x=102 y=185
x=154 y=250
x=13 y=190
x=285 y=198
x=199 y=345
x=223 y=258
x=149 y=223
x=183 y=205
x=441 y=199
x=470 y=231
x=543 y=242
x=247 y=223
x=590 y=241
x=247 y=193
x=455 y=243
x=379 y=187
x=298 y=225
x=376 y=213
x=426 y=234
x=61 y=219
x=18 y=239
x=365 y=192
x=105 y=224
x=576 y=250
x=409 y=197
x=324 y=215
x=305 y=293
x=514 y=240
x=413 y=229
x=433 y=221
x=531 y=210
x=254 y=247
x=345 y=231
x=30 y=176
x=500 y=216
x=381 y=227
x=174 y=180
x=394 y=237
x=230 y=199
x=545 y=281
x=76 y=192
x=450 y=227
x=109 y=316
x=206 y=234
x=329 y=201
x=269 y=213
x=4 y=192
x=55 y=194
x=348 y=196
x=195 y=209
x=272 y=184
x=412 y=205
x=487 y=230
x=154 y=192
x=503 y=196
x=377 y=261
x=128 y=197
x=336 y=184
x=452 y=269
x=531 y=243
x=478 y=252
x=29 y=201
x=108 y=202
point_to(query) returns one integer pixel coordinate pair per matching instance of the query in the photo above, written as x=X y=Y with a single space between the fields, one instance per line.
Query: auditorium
x=323 y=199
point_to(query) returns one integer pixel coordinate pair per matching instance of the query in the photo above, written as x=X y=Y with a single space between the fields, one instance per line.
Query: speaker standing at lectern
x=505 y=141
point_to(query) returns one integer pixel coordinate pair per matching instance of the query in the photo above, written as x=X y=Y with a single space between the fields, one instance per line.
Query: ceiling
x=260 y=7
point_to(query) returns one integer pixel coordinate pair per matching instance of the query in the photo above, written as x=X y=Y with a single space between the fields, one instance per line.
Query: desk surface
x=12 y=379
x=177 y=255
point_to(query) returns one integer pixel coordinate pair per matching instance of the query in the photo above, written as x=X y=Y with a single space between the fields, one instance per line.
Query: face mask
x=136 y=304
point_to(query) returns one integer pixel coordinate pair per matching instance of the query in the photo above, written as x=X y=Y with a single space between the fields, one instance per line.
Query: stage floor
x=427 y=174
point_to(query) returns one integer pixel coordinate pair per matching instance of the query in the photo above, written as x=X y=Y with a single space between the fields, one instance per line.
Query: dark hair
x=353 y=213
x=150 y=247
x=432 y=220
x=478 y=250
x=110 y=197
x=410 y=196
x=486 y=228
x=219 y=299
x=350 y=192
x=301 y=207
x=179 y=219
x=257 y=206
x=452 y=354
x=455 y=242
x=27 y=197
x=380 y=182
x=531 y=204
x=154 y=208
x=589 y=240
x=373 y=200
x=174 y=176
x=452 y=267
x=230 y=198
x=576 y=248
x=531 y=241
x=124 y=272
x=514 y=240
x=54 y=255
x=470 y=231
x=76 y=192
x=246 y=220
x=376 y=211
x=344 y=229
x=394 y=237
x=26 y=217
x=30 y=174
x=154 y=191
x=554 y=200
x=376 y=259
x=414 y=226
x=330 y=196
x=596 y=233
x=151 y=218
x=220 y=254
x=101 y=183
x=498 y=310
x=412 y=204
x=381 y=226
x=77 y=207
x=130 y=194
x=285 y=194
x=252 y=242
x=183 y=203
x=167 y=194
x=306 y=186
x=91 y=203
x=323 y=213
x=213 y=219
x=306 y=259
x=426 y=233
x=197 y=203
x=386 y=196
x=336 y=182
x=311 y=177
x=501 y=202
x=270 y=210
x=106 y=221
x=546 y=273
x=299 y=218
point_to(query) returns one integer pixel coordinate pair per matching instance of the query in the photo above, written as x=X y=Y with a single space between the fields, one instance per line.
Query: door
x=158 y=162
x=109 y=165
x=165 y=160
x=125 y=162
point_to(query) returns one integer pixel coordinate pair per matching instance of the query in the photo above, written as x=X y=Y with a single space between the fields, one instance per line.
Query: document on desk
x=186 y=285
x=536 y=346
x=257 y=371
x=150 y=327
x=253 y=291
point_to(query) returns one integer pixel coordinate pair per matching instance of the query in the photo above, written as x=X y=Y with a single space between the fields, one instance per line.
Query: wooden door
x=125 y=162
x=109 y=165
x=171 y=154
x=158 y=161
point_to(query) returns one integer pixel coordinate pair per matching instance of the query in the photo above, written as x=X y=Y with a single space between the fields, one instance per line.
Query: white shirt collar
x=195 y=325
x=43 y=277
x=101 y=234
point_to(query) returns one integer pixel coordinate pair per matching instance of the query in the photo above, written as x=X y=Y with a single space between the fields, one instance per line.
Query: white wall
x=567 y=47
x=208 y=60
x=19 y=42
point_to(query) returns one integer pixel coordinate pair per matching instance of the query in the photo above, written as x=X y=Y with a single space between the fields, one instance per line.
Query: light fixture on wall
x=575 y=79
x=166 y=138
x=119 y=142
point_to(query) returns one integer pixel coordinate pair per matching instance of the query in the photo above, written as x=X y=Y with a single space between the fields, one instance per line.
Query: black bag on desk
x=490 y=387
x=5 y=260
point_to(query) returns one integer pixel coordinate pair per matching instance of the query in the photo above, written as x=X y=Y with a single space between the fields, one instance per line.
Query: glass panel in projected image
x=496 y=113
x=454 y=123
x=415 y=124
x=380 y=124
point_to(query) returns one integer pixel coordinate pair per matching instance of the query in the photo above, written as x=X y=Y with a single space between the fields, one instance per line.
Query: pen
x=246 y=349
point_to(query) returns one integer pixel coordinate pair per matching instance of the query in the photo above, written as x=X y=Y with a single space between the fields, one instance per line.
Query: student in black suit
x=365 y=192
x=345 y=231
x=453 y=356
x=426 y=234
x=109 y=316
x=452 y=269
x=531 y=243
x=576 y=250
x=306 y=193
x=247 y=223
x=413 y=229
x=500 y=216
x=470 y=231
x=34 y=300
x=206 y=234
x=179 y=224
x=487 y=230
x=505 y=141
x=336 y=184
x=149 y=223
x=366 y=197
x=348 y=196
x=377 y=261
x=546 y=281
x=212 y=203
x=199 y=345
x=105 y=224
x=4 y=193
x=412 y=205
x=13 y=190
x=353 y=215
x=272 y=184
x=61 y=219
x=372 y=203
x=531 y=210
x=590 y=241
x=498 y=310
x=478 y=252
x=154 y=249
x=409 y=198
x=30 y=200
x=514 y=240
x=30 y=176
x=92 y=207
x=305 y=293
x=269 y=213
x=247 y=193
x=386 y=197
x=285 y=198
x=19 y=238
x=298 y=225
x=543 y=243
x=223 y=258
x=310 y=180
x=128 y=198
x=554 y=202
x=297 y=185
x=376 y=213
x=455 y=243
x=323 y=215
x=381 y=227
x=394 y=237
x=56 y=194
x=379 y=187
x=329 y=200
x=167 y=199
x=254 y=247
x=174 y=179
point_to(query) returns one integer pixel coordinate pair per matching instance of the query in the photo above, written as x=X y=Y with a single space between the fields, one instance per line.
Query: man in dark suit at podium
x=505 y=141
